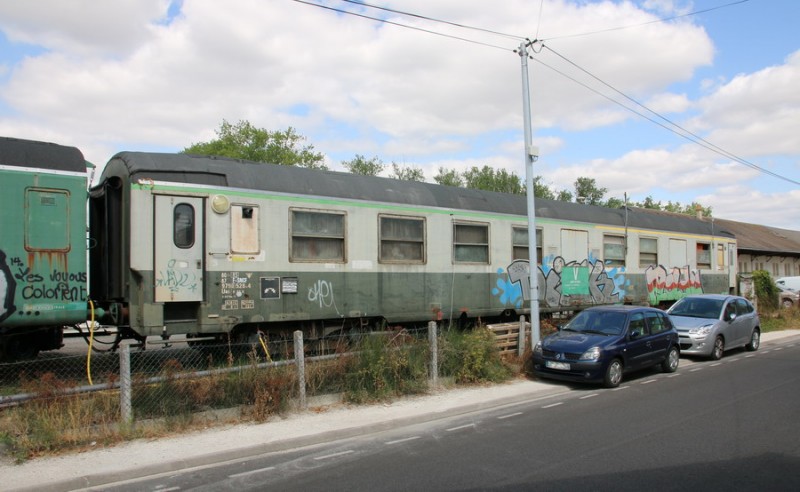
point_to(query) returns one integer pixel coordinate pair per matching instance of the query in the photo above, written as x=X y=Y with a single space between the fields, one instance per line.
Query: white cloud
x=756 y=114
x=82 y=27
x=113 y=75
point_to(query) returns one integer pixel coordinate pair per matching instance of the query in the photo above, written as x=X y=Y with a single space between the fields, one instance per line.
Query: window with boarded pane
x=703 y=256
x=648 y=251
x=519 y=242
x=317 y=236
x=613 y=250
x=470 y=242
x=721 y=257
x=244 y=229
x=183 y=225
x=402 y=239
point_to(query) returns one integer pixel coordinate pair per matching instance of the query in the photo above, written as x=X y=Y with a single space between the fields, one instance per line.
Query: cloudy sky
x=444 y=91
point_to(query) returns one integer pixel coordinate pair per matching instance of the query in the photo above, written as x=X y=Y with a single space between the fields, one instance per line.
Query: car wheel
x=755 y=341
x=719 y=348
x=787 y=303
x=613 y=374
x=670 y=364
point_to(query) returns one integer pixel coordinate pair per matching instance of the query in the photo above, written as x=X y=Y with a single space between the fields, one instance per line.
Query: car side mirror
x=635 y=334
x=730 y=317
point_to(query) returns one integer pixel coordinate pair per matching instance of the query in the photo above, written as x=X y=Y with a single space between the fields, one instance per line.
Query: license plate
x=562 y=366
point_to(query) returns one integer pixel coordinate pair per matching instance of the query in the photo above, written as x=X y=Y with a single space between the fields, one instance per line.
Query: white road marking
x=402 y=440
x=509 y=416
x=334 y=455
x=553 y=405
x=649 y=381
x=460 y=427
x=251 y=472
x=589 y=396
x=621 y=388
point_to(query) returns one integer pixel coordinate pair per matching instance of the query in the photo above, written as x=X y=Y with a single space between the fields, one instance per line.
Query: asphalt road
x=726 y=425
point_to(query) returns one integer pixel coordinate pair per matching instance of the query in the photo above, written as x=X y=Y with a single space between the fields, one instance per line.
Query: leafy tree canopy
x=448 y=177
x=490 y=179
x=409 y=173
x=587 y=191
x=363 y=166
x=244 y=141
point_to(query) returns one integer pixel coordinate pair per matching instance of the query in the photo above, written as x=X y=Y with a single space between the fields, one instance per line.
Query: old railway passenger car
x=211 y=246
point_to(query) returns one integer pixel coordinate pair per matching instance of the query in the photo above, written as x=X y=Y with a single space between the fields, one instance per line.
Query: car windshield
x=599 y=322
x=697 y=307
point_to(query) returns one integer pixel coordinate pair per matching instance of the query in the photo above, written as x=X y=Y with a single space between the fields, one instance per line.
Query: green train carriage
x=43 y=263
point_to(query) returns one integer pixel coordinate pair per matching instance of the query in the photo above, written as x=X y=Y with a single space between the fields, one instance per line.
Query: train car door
x=178 y=234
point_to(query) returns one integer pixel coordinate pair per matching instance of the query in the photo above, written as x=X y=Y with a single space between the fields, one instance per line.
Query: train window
x=244 y=229
x=183 y=225
x=317 y=236
x=470 y=242
x=402 y=239
x=613 y=250
x=519 y=243
x=703 y=256
x=648 y=251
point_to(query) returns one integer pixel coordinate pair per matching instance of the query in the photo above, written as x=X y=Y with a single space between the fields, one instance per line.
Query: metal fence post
x=126 y=412
x=523 y=334
x=433 y=340
x=300 y=362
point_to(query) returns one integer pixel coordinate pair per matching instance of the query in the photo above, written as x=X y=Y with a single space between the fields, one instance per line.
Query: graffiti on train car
x=562 y=283
x=8 y=287
x=58 y=285
x=671 y=284
x=176 y=278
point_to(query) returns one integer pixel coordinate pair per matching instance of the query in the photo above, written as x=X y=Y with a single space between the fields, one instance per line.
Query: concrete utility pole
x=531 y=155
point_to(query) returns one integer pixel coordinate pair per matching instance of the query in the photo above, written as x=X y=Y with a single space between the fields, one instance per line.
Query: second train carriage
x=212 y=246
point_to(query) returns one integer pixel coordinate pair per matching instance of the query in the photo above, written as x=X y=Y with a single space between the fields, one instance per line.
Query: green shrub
x=471 y=357
x=387 y=365
x=766 y=291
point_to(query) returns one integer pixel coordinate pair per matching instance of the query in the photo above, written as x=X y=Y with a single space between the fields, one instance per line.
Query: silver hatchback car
x=710 y=324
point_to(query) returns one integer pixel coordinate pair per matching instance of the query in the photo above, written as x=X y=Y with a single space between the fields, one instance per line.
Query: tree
x=564 y=196
x=614 y=202
x=360 y=165
x=541 y=190
x=448 y=177
x=486 y=178
x=587 y=191
x=650 y=203
x=694 y=208
x=409 y=173
x=244 y=141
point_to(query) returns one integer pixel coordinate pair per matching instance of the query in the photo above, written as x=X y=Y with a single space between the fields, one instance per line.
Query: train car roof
x=219 y=171
x=42 y=155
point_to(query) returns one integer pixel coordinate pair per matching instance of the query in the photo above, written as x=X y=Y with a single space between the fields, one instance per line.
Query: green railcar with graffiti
x=43 y=280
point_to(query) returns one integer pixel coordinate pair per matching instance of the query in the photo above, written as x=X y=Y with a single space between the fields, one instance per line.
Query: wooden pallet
x=507 y=336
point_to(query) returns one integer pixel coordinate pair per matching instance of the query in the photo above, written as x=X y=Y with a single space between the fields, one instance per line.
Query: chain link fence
x=72 y=400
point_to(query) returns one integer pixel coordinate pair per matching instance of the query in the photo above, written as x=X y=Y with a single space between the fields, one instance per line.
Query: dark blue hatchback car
x=603 y=342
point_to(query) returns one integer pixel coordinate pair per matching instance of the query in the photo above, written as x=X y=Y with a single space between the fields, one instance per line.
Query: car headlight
x=702 y=331
x=592 y=354
x=537 y=349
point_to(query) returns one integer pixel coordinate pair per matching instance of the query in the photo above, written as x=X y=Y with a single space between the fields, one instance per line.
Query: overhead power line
x=407 y=26
x=667 y=123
